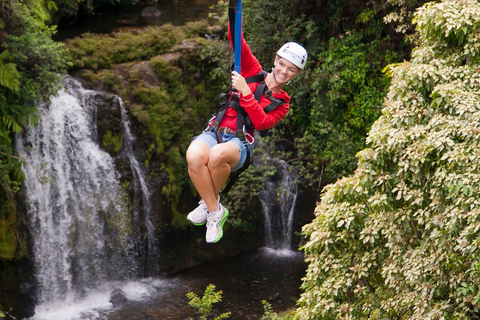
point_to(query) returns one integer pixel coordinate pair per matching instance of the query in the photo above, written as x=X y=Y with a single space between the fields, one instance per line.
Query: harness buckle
x=236 y=93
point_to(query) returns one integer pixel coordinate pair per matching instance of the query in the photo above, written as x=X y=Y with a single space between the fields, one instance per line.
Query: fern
x=12 y=124
x=9 y=76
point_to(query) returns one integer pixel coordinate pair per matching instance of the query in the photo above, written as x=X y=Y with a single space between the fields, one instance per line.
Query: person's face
x=284 y=70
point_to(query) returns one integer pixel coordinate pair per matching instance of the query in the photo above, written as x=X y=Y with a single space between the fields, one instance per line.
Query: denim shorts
x=210 y=139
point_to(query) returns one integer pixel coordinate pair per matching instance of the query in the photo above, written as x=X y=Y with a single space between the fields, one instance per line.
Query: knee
x=218 y=157
x=196 y=158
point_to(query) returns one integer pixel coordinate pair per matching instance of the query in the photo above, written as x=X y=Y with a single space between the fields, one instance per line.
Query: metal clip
x=248 y=135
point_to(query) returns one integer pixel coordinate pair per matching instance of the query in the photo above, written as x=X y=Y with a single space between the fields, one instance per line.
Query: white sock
x=214 y=212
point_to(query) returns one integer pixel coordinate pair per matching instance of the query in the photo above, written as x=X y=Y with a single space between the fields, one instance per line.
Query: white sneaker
x=215 y=221
x=198 y=216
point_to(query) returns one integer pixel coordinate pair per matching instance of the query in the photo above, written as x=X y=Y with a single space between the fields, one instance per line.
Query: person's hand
x=239 y=83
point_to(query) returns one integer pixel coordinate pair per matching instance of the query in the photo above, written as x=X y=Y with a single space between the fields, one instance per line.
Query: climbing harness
x=232 y=99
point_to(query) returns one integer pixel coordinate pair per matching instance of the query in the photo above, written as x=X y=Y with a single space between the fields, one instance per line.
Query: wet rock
x=138 y=74
x=188 y=46
x=117 y=297
x=150 y=12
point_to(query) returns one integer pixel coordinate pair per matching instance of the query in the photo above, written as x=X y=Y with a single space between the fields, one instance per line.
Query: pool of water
x=175 y=12
x=245 y=280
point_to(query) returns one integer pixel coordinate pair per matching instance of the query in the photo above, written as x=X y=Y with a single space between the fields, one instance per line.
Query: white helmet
x=294 y=53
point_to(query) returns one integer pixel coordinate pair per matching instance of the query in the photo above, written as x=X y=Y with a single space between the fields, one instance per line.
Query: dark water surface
x=175 y=12
x=245 y=280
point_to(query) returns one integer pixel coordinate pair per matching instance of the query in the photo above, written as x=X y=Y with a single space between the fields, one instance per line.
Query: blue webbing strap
x=238 y=36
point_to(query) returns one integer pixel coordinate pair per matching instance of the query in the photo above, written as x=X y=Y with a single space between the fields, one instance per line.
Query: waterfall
x=148 y=247
x=278 y=201
x=83 y=231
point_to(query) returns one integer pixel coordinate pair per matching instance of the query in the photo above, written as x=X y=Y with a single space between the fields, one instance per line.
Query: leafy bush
x=205 y=304
x=269 y=314
x=96 y=51
x=399 y=239
x=31 y=65
x=348 y=89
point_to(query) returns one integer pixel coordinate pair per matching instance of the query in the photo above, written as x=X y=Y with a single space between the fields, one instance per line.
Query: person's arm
x=260 y=119
x=249 y=63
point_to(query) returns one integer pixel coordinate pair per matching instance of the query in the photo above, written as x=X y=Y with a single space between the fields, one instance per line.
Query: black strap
x=231 y=20
x=234 y=175
x=242 y=116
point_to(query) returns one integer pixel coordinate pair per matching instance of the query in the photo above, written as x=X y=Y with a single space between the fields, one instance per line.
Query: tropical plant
x=399 y=238
x=204 y=305
x=269 y=314
x=31 y=65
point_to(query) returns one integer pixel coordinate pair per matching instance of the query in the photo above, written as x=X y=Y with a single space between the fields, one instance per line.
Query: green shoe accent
x=224 y=218
x=198 y=224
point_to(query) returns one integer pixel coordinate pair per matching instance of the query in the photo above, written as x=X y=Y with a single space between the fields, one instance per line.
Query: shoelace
x=203 y=205
x=211 y=221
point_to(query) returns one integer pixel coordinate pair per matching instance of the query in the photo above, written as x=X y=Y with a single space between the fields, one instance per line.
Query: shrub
x=205 y=304
x=399 y=239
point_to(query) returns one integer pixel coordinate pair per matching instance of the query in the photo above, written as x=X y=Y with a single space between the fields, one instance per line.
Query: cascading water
x=278 y=201
x=83 y=232
x=142 y=194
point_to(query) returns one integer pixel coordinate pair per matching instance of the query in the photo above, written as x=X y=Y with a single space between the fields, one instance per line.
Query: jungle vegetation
x=336 y=99
x=399 y=238
x=396 y=232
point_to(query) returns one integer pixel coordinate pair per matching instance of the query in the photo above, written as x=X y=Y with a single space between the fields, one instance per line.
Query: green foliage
x=204 y=305
x=96 y=51
x=39 y=59
x=401 y=15
x=269 y=314
x=112 y=141
x=348 y=90
x=8 y=231
x=9 y=75
x=399 y=238
x=31 y=65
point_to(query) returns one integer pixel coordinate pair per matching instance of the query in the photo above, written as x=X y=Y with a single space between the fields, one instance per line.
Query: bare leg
x=198 y=155
x=223 y=158
x=209 y=169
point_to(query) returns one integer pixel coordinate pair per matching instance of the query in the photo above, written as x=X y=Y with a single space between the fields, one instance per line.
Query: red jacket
x=260 y=120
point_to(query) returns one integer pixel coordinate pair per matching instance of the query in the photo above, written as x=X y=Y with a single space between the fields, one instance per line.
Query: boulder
x=117 y=297
x=150 y=12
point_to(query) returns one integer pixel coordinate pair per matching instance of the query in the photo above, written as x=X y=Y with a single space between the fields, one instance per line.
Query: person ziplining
x=256 y=102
